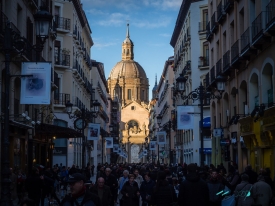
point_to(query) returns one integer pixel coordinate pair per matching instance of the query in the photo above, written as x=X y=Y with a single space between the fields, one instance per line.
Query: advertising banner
x=185 y=117
x=109 y=142
x=161 y=137
x=115 y=148
x=36 y=89
x=93 y=131
x=152 y=145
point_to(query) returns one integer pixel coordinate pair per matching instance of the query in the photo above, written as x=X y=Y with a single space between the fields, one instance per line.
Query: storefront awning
x=20 y=125
x=57 y=131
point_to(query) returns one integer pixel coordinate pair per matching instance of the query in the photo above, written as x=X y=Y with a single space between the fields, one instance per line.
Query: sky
x=151 y=22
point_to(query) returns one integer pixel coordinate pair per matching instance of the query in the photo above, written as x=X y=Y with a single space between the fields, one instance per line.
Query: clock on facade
x=80 y=123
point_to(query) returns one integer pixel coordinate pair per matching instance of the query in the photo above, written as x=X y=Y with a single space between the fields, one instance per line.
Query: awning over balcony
x=57 y=131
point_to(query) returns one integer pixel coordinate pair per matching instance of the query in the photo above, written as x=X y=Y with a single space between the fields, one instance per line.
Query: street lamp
x=201 y=94
x=81 y=119
x=13 y=43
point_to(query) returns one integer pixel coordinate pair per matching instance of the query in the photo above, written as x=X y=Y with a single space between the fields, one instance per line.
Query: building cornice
x=179 y=23
x=79 y=11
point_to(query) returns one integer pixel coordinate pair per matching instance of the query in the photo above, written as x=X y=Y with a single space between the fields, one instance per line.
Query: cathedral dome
x=128 y=69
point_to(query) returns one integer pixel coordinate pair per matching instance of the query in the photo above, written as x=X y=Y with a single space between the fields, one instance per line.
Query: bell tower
x=127 y=47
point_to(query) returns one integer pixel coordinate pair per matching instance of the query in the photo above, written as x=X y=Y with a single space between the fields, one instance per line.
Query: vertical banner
x=185 y=117
x=161 y=136
x=115 y=148
x=36 y=89
x=145 y=152
x=93 y=131
x=109 y=142
x=152 y=145
x=119 y=151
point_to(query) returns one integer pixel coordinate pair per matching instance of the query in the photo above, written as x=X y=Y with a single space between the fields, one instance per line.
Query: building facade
x=191 y=60
x=165 y=109
x=241 y=42
x=128 y=82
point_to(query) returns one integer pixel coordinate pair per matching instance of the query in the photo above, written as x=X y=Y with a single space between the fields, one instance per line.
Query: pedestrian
x=241 y=192
x=27 y=202
x=121 y=182
x=20 y=185
x=262 y=192
x=102 y=191
x=193 y=191
x=146 y=189
x=138 y=177
x=79 y=195
x=251 y=174
x=93 y=169
x=13 y=186
x=130 y=192
x=215 y=186
x=111 y=181
x=163 y=193
x=34 y=184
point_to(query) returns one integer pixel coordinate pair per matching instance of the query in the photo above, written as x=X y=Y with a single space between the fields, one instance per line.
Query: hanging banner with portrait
x=36 y=89
x=185 y=117
x=109 y=142
x=115 y=147
x=93 y=131
x=152 y=145
x=161 y=137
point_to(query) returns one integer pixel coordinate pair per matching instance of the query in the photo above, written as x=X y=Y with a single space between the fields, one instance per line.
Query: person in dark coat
x=146 y=190
x=34 y=184
x=253 y=176
x=130 y=192
x=163 y=193
x=102 y=191
x=79 y=195
x=193 y=191
x=215 y=186
x=111 y=181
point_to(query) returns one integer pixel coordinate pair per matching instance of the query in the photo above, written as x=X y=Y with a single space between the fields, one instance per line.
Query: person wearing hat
x=193 y=190
x=79 y=195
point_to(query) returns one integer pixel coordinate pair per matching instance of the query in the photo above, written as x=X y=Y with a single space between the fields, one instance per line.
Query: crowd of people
x=143 y=185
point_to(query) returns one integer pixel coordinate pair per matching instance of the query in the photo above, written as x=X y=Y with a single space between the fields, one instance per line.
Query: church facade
x=129 y=83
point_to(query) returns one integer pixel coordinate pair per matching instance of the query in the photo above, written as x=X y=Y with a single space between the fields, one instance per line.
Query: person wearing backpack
x=243 y=192
x=215 y=186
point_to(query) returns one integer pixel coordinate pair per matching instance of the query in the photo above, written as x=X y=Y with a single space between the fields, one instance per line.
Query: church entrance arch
x=134 y=153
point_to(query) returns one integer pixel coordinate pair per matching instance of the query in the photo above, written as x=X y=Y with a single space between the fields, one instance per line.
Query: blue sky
x=151 y=26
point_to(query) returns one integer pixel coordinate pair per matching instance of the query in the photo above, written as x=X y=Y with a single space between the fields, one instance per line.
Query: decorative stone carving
x=134 y=153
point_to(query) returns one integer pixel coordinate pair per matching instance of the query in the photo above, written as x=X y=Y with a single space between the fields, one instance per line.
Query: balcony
x=245 y=44
x=62 y=24
x=270 y=17
x=212 y=75
x=207 y=80
x=257 y=30
x=203 y=62
x=228 y=5
x=202 y=26
x=63 y=60
x=214 y=23
x=61 y=98
x=235 y=51
x=226 y=62
x=209 y=33
x=220 y=13
x=219 y=67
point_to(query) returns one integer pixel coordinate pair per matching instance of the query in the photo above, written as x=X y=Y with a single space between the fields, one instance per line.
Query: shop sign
x=224 y=142
x=206 y=150
x=60 y=151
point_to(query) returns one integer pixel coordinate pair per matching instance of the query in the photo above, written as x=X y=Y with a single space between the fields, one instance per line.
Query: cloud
x=163 y=4
x=104 y=45
x=165 y=35
x=114 y=19
x=160 y=22
x=95 y=12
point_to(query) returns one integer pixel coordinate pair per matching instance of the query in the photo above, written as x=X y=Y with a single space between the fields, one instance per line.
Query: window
x=133 y=108
x=143 y=95
x=129 y=94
